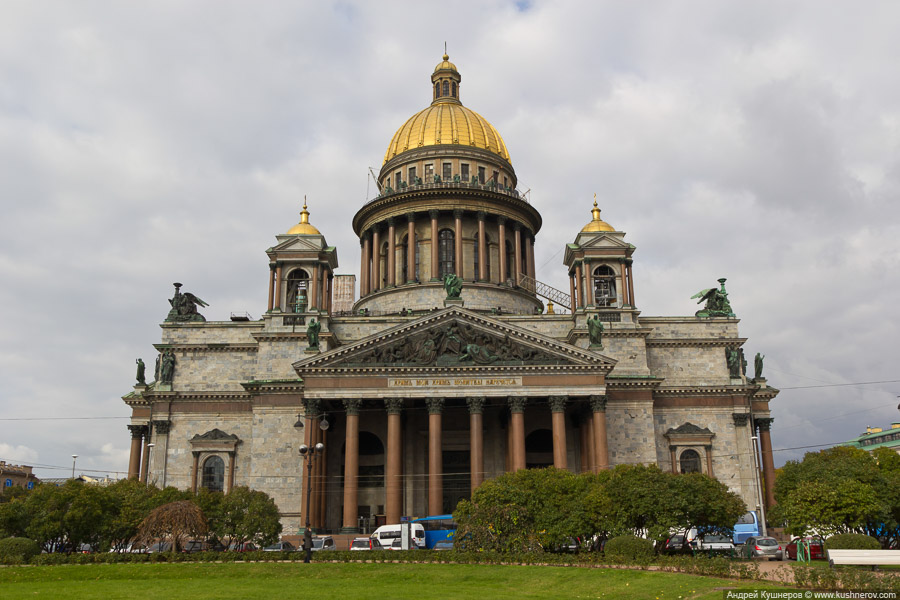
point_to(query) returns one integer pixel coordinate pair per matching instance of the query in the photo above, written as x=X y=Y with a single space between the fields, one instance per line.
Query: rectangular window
x=429 y=173
x=397 y=180
x=506 y=182
x=464 y=172
x=412 y=175
x=447 y=175
x=495 y=177
x=481 y=175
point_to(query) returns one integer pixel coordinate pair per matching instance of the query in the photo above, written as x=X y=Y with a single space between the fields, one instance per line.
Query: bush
x=628 y=548
x=851 y=541
x=15 y=550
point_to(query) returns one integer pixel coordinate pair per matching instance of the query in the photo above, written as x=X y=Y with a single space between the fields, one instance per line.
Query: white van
x=386 y=534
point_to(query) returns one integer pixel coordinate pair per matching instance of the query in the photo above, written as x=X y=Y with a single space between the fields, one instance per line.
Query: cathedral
x=454 y=365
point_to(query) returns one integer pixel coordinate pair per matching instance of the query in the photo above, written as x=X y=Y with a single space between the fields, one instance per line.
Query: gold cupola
x=446 y=121
x=303 y=227
x=597 y=224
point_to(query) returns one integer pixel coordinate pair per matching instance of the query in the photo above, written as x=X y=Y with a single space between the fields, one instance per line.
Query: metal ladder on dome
x=558 y=297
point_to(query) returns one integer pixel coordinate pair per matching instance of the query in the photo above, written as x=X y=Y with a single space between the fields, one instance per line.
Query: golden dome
x=445 y=64
x=303 y=227
x=596 y=224
x=446 y=121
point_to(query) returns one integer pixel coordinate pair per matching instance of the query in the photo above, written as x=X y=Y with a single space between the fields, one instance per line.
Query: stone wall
x=206 y=370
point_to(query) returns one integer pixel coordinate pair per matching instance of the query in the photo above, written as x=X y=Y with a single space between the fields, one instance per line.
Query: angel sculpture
x=184 y=307
x=717 y=304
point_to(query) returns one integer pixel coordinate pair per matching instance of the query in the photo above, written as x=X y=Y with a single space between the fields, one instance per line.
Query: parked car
x=280 y=547
x=159 y=547
x=816 y=549
x=762 y=547
x=443 y=545
x=323 y=543
x=365 y=543
x=397 y=544
x=242 y=547
x=714 y=544
x=674 y=544
x=202 y=546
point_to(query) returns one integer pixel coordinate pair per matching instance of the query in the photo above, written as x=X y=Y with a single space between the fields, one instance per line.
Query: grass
x=197 y=581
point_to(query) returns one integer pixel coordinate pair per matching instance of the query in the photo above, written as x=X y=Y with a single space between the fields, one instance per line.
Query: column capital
x=598 y=402
x=517 y=403
x=311 y=407
x=740 y=419
x=271 y=266
x=557 y=403
x=434 y=213
x=411 y=217
x=764 y=424
x=366 y=235
x=476 y=404
x=502 y=220
x=137 y=431
x=458 y=213
x=394 y=406
x=351 y=405
x=517 y=226
x=162 y=427
x=435 y=405
x=390 y=221
x=481 y=215
x=196 y=454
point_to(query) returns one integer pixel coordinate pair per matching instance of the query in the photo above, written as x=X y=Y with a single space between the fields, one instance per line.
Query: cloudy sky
x=142 y=144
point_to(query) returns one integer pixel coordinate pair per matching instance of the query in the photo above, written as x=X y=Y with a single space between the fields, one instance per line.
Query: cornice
x=704 y=390
x=692 y=342
x=210 y=347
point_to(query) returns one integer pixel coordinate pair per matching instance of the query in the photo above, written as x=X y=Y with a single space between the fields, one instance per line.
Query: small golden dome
x=445 y=64
x=596 y=224
x=303 y=227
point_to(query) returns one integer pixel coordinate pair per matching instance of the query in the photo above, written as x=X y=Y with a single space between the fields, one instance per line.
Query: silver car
x=763 y=547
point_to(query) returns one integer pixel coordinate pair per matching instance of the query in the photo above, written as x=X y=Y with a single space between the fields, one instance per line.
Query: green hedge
x=851 y=541
x=15 y=550
x=628 y=548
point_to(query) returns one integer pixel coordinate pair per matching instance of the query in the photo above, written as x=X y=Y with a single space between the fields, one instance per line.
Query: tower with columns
x=418 y=396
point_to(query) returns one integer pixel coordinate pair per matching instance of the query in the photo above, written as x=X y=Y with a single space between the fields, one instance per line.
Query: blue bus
x=438 y=527
x=747 y=526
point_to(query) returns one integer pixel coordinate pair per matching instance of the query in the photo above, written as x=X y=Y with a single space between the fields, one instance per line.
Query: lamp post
x=74 y=456
x=762 y=505
x=309 y=454
x=149 y=457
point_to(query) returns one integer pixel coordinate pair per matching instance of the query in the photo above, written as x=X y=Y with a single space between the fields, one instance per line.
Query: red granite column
x=366 y=267
x=630 y=283
x=134 y=459
x=435 y=457
x=501 y=226
x=476 y=441
x=517 y=427
x=517 y=240
x=393 y=475
x=376 y=260
x=195 y=472
x=271 y=286
x=314 y=289
x=483 y=275
x=765 y=442
x=579 y=287
x=323 y=289
x=529 y=256
x=601 y=451
x=278 y=286
x=351 y=466
x=572 y=296
x=558 y=418
x=391 y=258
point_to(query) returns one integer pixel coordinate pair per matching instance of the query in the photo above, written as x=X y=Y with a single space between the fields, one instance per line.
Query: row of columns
x=516 y=440
x=320 y=288
x=582 y=288
x=139 y=457
x=370 y=264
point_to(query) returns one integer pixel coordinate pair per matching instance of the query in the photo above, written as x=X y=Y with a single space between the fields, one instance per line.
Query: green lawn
x=197 y=581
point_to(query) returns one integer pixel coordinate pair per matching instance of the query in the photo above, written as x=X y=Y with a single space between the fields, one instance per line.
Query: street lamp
x=762 y=506
x=309 y=454
x=74 y=456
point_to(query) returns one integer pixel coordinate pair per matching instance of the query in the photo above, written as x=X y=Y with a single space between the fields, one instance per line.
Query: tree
x=175 y=521
x=641 y=502
x=705 y=503
x=247 y=515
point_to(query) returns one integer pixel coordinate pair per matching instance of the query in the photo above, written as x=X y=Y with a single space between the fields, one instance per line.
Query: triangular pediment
x=294 y=243
x=605 y=240
x=455 y=338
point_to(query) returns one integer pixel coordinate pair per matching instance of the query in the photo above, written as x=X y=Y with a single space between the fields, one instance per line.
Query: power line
x=828 y=385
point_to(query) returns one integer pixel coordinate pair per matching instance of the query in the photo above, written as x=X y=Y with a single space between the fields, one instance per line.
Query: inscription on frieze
x=398 y=382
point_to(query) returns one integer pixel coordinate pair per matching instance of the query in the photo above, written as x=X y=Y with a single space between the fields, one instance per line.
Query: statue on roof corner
x=717 y=304
x=452 y=285
x=184 y=307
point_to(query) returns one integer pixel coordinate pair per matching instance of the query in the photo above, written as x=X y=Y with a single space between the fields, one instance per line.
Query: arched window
x=690 y=461
x=214 y=474
x=604 y=286
x=7 y=483
x=446 y=253
x=404 y=263
x=297 y=283
x=510 y=259
x=454 y=89
x=487 y=258
x=384 y=265
x=30 y=485
x=446 y=89
x=437 y=90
